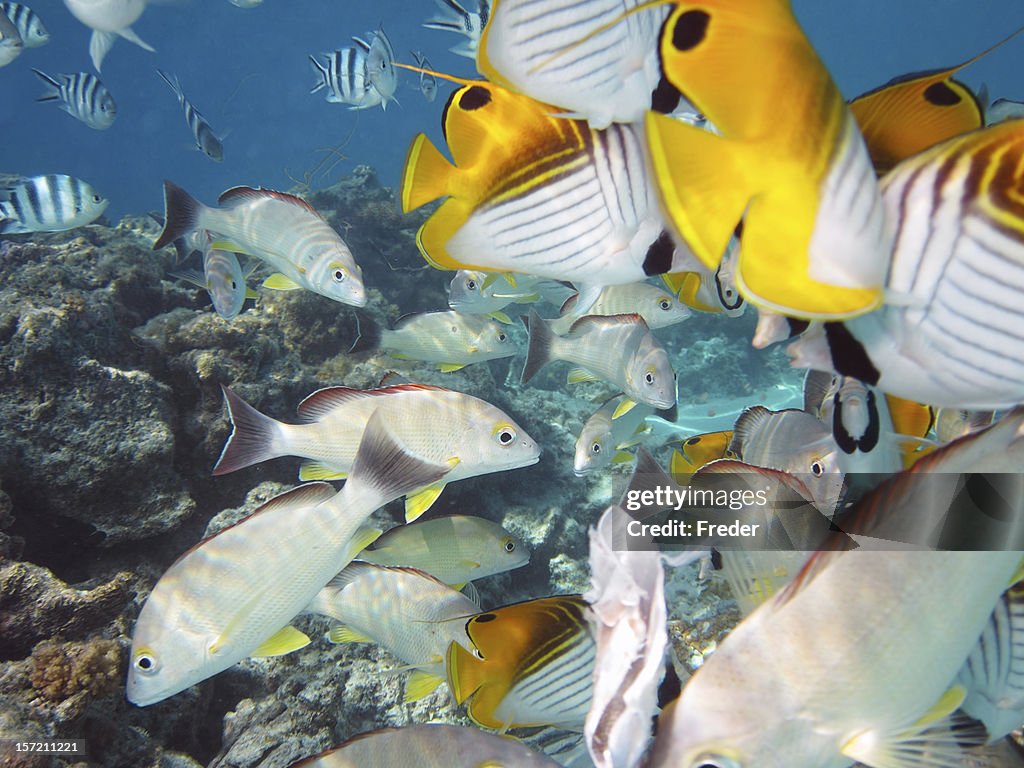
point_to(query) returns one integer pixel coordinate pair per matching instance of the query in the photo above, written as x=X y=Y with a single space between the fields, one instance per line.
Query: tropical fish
x=428 y=83
x=11 y=44
x=82 y=96
x=30 y=27
x=630 y=626
x=951 y=423
x=454 y=17
x=795 y=442
x=431 y=745
x=568 y=55
x=108 y=20
x=450 y=339
x=51 y=203
x=283 y=230
x=914 y=112
x=536 y=193
x=707 y=290
x=948 y=334
x=230 y=595
x=813 y=244
x=480 y=293
x=441 y=425
x=455 y=549
x=344 y=77
x=619 y=349
x=1003 y=109
x=407 y=612
x=696 y=451
x=604 y=438
x=533 y=665
x=380 y=66
x=206 y=140
x=657 y=307
x=222 y=277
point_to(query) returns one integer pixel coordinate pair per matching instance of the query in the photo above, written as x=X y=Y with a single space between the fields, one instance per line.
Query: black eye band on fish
x=846 y=441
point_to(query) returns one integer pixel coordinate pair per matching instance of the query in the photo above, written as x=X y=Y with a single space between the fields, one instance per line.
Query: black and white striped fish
x=428 y=83
x=28 y=24
x=380 y=66
x=206 y=140
x=951 y=332
x=343 y=74
x=82 y=96
x=51 y=203
x=11 y=44
x=454 y=17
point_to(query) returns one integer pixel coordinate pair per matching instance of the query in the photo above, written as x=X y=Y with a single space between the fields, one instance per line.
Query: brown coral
x=61 y=670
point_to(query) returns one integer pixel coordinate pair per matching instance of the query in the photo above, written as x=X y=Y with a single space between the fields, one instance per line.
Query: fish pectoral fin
x=580 y=375
x=279 y=282
x=251 y=293
x=285 y=640
x=227 y=245
x=940 y=737
x=420 y=501
x=343 y=634
x=469 y=590
x=316 y=470
x=623 y=457
x=501 y=317
x=449 y=367
x=623 y=408
x=420 y=685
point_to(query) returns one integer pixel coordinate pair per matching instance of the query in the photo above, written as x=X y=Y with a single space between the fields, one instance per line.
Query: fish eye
x=649 y=377
x=234 y=285
x=502 y=336
x=510 y=546
x=145 y=663
x=471 y=285
x=97 y=199
x=595 y=448
x=454 y=329
x=818 y=469
x=664 y=303
x=338 y=274
x=506 y=436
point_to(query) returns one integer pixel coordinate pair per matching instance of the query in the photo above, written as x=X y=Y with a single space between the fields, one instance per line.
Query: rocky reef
x=112 y=418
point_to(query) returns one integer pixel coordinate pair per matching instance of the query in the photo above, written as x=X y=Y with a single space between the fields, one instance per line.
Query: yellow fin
x=510 y=278
x=279 y=282
x=623 y=408
x=342 y=634
x=910 y=418
x=438 y=230
x=426 y=174
x=250 y=293
x=227 y=245
x=449 y=367
x=285 y=640
x=501 y=317
x=315 y=470
x=420 y=501
x=489 y=280
x=681 y=468
x=623 y=457
x=580 y=375
x=420 y=685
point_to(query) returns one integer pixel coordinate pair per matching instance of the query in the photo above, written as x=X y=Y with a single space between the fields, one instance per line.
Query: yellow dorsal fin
x=285 y=640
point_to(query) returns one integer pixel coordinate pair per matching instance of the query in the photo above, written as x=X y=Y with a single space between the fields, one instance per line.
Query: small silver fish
x=603 y=438
x=428 y=83
x=30 y=26
x=51 y=203
x=11 y=44
x=658 y=307
x=206 y=140
x=82 y=96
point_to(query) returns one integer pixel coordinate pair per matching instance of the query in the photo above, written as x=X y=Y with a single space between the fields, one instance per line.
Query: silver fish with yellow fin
x=233 y=594
x=603 y=440
x=655 y=305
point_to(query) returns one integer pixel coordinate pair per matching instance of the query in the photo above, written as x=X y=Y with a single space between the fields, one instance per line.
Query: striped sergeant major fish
x=452 y=16
x=11 y=44
x=949 y=334
x=27 y=22
x=343 y=74
x=51 y=203
x=428 y=83
x=380 y=66
x=82 y=96
x=206 y=140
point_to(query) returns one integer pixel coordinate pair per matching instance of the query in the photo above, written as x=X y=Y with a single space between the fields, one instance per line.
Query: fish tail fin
x=322 y=73
x=255 y=437
x=385 y=468
x=129 y=34
x=426 y=174
x=181 y=214
x=52 y=87
x=539 y=352
x=368 y=334
x=173 y=83
x=705 y=221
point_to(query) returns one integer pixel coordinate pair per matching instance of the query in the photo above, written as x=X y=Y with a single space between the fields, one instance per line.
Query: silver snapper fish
x=454 y=17
x=82 y=96
x=30 y=27
x=409 y=613
x=450 y=339
x=487 y=293
x=108 y=20
x=283 y=230
x=222 y=277
x=437 y=423
x=572 y=55
x=206 y=140
x=654 y=304
x=11 y=44
x=947 y=334
x=51 y=203
x=604 y=438
x=455 y=549
x=231 y=593
x=431 y=745
x=619 y=349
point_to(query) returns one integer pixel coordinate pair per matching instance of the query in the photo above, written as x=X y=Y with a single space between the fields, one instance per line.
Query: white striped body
x=407 y=612
x=206 y=140
x=82 y=96
x=29 y=25
x=225 y=281
x=855 y=658
x=52 y=203
x=448 y=337
x=545 y=53
x=290 y=237
x=454 y=17
x=343 y=74
x=593 y=222
x=11 y=44
x=657 y=306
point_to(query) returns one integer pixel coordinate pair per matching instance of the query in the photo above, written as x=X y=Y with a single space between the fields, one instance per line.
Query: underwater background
x=112 y=415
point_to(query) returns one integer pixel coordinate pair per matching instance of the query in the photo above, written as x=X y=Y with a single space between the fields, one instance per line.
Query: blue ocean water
x=247 y=71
